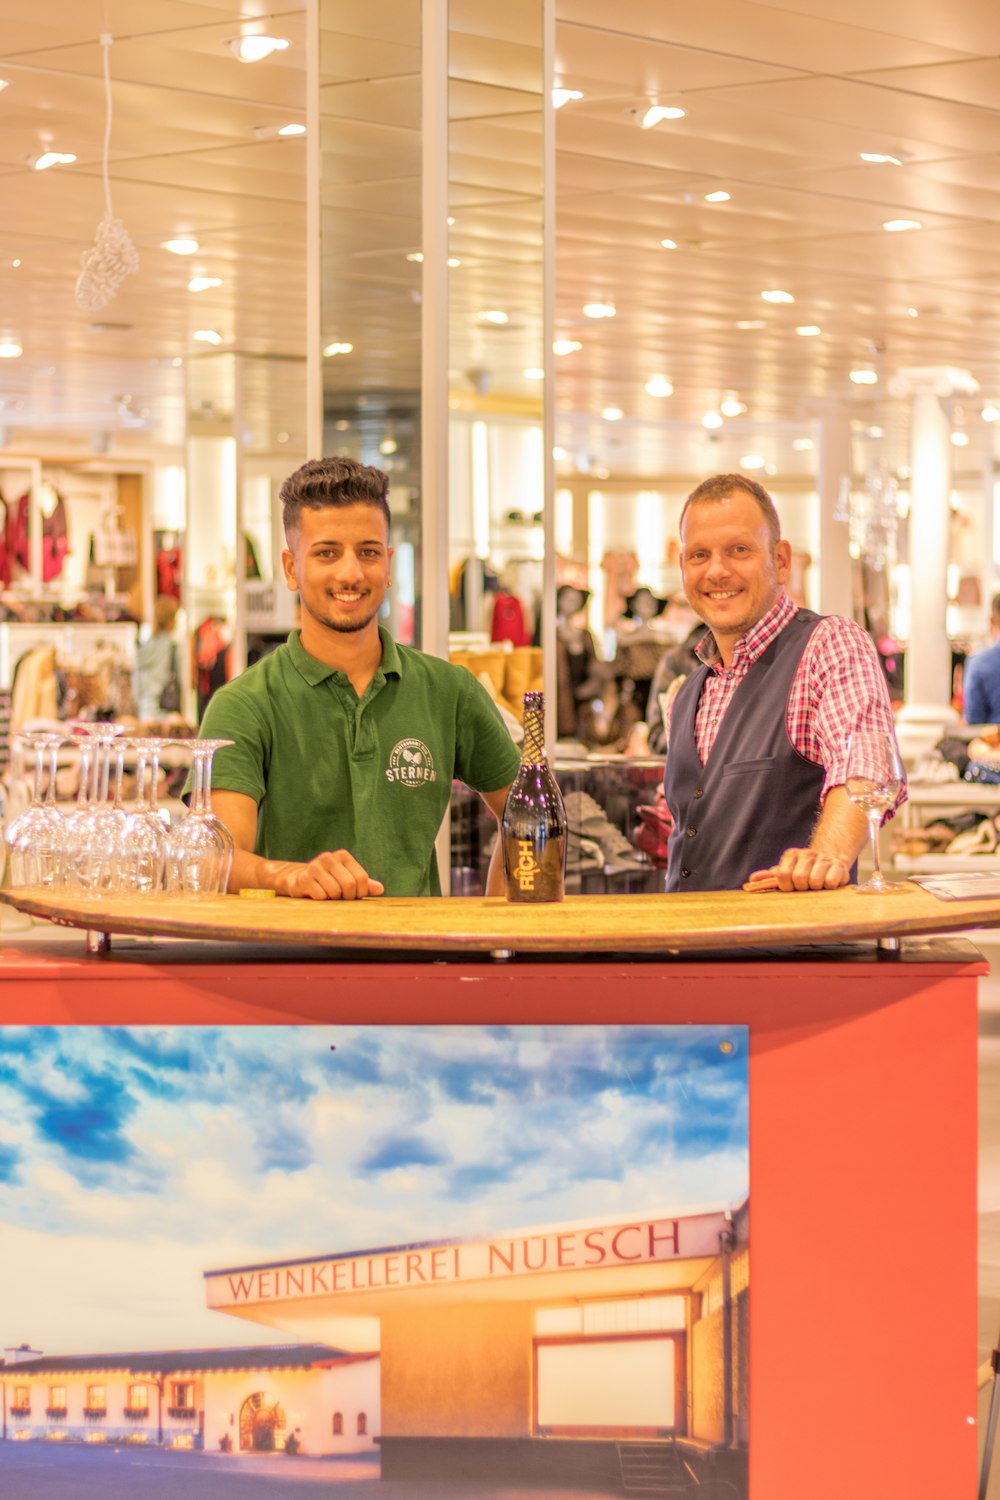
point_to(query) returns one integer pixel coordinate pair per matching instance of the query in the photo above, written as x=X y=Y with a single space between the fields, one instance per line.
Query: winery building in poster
x=535 y=1355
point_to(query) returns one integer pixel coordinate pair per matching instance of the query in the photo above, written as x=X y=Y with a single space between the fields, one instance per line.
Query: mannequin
x=643 y=638
x=577 y=679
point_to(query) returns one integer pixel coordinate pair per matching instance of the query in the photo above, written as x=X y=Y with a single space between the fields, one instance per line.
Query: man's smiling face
x=733 y=570
x=338 y=558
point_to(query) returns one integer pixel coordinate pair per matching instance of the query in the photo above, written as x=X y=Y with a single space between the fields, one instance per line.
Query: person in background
x=345 y=742
x=680 y=661
x=981 y=678
x=756 y=765
x=156 y=660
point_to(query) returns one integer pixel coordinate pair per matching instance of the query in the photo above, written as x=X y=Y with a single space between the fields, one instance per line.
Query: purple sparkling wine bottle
x=533 y=826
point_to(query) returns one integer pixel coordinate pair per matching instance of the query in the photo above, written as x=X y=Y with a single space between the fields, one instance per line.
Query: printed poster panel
x=461 y=1260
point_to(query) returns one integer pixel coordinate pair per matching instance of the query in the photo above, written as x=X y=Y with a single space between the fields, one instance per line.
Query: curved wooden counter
x=581 y=924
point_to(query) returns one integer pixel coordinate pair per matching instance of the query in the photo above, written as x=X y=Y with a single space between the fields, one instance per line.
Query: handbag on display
x=170 y=698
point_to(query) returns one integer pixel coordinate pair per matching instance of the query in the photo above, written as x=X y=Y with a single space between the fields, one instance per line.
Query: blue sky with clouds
x=133 y=1159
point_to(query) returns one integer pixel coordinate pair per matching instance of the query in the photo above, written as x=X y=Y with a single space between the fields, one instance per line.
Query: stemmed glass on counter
x=874 y=777
x=93 y=829
x=142 y=849
x=35 y=839
x=199 y=851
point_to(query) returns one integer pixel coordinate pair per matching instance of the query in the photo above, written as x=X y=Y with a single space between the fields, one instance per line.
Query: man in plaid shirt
x=756 y=761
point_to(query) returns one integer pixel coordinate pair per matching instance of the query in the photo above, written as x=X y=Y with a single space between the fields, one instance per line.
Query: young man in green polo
x=345 y=743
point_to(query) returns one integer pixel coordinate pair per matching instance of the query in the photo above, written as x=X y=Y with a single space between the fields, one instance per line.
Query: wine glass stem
x=154 y=776
x=874 y=825
x=141 y=761
x=39 y=771
x=197 y=783
x=50 y=795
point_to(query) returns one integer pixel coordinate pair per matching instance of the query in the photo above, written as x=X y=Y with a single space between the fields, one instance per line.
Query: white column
x=926 y=709
x=835 y=462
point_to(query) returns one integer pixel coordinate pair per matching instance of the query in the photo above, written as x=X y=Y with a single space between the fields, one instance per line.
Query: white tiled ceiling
x=781 y=100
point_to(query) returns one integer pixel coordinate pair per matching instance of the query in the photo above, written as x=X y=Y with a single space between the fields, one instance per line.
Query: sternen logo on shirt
x=411 y=763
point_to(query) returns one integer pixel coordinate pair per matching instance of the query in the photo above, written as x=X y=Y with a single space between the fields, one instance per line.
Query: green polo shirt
x=372 y=775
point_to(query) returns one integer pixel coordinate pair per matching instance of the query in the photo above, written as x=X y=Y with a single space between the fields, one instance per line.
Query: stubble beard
x=343 y=627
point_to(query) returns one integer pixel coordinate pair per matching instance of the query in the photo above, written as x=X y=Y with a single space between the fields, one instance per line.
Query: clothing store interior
x=610 y=254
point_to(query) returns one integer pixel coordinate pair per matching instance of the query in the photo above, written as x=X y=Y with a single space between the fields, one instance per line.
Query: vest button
x=685 y=873
x=700 y=792
x=691 y=832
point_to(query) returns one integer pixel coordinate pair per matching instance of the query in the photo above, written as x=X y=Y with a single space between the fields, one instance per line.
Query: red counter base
x=862 y=1158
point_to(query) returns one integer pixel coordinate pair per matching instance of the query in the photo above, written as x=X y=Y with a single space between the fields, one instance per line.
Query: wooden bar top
x=671 y=924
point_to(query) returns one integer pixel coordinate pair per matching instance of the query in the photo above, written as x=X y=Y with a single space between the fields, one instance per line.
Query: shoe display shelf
x=944 y=800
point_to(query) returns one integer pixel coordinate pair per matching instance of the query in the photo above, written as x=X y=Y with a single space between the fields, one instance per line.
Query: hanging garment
x=168 y=572
x=5 y=558
x=508 y=620
x=55 y=540
x=17 y=533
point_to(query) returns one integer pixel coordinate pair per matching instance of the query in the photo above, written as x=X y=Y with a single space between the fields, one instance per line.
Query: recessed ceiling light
x=559 y=454
x=533 y=372
x=899 y=226
x=732 y=407
x=776 y=295
x=207 y=336
x=711 y=420
x=612 y=413
x=454 y=262
x=417 y=256
x=719 y=197
x=51 y=159
x=451 y=220
x=864 y=377
x=565 y=96
x=880 y=159
x=669 y=244
x=875 y=432
x=566 y=346
x=599 y=310
x=329 y=350
x=808 y=330
x=177 y=362
x=494 y=315
x=203 y=283
x=752 y=461
x=15 y=262
x=913 y=312
x=657 y=112
x=10 y=350
x=960 y=439
x=751 y=323
x=293 y=128
x=659 y=385
x=180 y=246
x=803 y=445
x=256 y=48
x=990 y=413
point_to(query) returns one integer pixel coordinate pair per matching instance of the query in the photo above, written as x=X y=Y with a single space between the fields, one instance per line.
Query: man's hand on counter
x=332 y=876
x=801 y=870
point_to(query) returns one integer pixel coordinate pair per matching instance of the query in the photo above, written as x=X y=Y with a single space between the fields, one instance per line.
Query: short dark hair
x=332 y=481
x=721 y=486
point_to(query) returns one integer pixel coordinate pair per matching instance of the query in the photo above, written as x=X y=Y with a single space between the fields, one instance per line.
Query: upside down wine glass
x=874 y=777
x=199 y=849
x=144 y=835
x=35 y=839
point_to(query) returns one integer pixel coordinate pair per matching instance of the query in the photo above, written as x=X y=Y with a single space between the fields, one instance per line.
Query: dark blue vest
x=756 y=796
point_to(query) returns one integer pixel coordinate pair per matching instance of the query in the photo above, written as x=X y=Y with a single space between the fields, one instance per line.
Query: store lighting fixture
x=732 y=407
x=10 y=350
x=293 y=128
x=177 y=362
x=808 y=330
x=565 y=96
x=15 y=262
x=329 y=350
x=752 y=461
x=775 y=294
x=454 y=262
x=864 y=376
x=657 y=112
x=718 y=197
x=960 y=439
x=990 y=413
x=566 y=346
x=875 y=432
x=180 y=246
x=495 y=316
x=599 y=310
x=559 y=454
x=711 y=420
x=612 y=413
x=251 y=49
x=669 y=244
x=747 y=323
x=51 y=159
x=803 y=445
x=880 y=159
x=417 y=256
x=533 y=372
x=203 y=283
x=659 y=385
x=207 y=336
x=900 y=226
x=913 y=312
x=451 y=220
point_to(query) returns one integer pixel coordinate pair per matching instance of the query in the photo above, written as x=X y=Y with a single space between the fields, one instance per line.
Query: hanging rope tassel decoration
x=113 y=256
